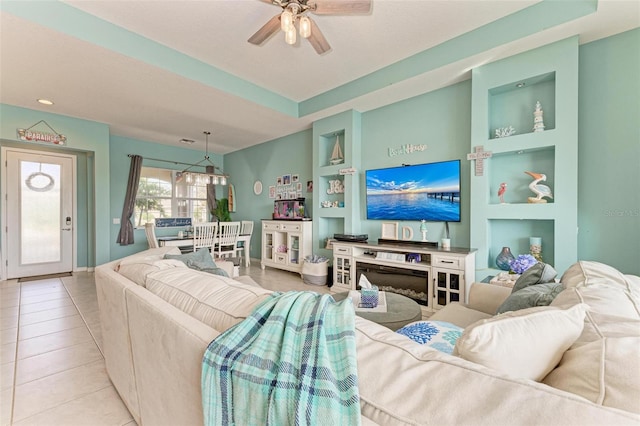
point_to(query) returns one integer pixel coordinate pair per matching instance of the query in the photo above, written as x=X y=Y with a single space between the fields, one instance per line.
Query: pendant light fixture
x=209 y=176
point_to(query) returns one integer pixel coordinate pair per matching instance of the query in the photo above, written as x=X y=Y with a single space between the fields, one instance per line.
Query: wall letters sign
x=36 y=136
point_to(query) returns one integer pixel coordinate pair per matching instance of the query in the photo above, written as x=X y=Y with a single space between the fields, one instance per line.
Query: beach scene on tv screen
x=422 y=192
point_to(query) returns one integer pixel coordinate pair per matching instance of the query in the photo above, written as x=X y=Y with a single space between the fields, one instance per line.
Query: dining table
x=187 y=241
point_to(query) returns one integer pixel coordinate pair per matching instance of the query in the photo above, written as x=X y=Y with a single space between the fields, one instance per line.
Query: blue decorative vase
x=503 y=259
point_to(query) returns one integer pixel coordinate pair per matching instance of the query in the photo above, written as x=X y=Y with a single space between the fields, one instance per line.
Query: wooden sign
x=479 y=155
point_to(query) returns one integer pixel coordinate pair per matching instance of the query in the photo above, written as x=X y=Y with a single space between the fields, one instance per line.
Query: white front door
x=39 y=213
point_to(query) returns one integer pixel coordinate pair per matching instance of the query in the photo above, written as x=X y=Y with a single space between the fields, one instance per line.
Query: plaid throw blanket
x=292 y=362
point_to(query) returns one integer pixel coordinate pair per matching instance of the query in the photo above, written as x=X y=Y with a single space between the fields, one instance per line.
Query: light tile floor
x=52 y=367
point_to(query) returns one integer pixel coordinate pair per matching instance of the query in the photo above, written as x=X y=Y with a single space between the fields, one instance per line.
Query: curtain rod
x=166 y=161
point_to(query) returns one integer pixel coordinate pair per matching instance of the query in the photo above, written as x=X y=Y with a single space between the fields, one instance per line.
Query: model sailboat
x=336 y=155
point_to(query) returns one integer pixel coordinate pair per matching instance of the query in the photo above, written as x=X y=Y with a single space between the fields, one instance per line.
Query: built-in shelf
x=504 y=93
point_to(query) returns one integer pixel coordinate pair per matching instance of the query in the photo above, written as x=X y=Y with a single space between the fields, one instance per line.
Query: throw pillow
x=439 y=335
x=198 y=260
x=528 y=343
x=528 y=297
x=537 y=274
x=216 y=271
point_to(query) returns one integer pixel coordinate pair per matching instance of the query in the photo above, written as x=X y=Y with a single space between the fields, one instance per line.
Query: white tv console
x=444 y=272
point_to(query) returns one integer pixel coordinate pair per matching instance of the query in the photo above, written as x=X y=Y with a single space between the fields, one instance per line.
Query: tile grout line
x=83 y=318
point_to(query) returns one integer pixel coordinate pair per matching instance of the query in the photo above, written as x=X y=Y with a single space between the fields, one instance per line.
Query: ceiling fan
x=296 y=10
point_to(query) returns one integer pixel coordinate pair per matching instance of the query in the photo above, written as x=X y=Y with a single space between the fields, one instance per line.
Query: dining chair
x=227 y=239
x=246 y=228
x=204 y=235
x=150 y=230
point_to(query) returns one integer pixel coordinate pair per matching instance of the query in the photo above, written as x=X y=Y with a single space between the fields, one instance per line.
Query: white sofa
x=158 y=319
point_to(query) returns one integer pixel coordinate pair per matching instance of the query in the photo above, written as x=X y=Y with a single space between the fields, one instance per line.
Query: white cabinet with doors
x=285 y=244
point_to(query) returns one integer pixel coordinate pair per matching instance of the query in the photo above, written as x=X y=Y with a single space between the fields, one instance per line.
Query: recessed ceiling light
x=520 y=85
x=45 y=101
x=187 y=141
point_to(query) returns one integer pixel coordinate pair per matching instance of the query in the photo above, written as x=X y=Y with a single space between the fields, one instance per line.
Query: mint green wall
x=119 y=149
x=265 y=162
x=440 y=120
x=90 y=140
x=609 y=155
x=609 y=152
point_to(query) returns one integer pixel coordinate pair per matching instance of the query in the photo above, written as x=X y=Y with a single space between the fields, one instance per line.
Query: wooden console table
x=445 y=272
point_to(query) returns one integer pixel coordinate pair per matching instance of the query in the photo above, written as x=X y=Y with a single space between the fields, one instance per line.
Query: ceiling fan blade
x=317 y=40
x=340 y=7
x=266 y=31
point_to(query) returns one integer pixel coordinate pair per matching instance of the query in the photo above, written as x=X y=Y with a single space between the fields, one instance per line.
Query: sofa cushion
x=605 y=371
x=137 y=272
x=404 y=383
x=217 y=301
x=439 y=335
x=531 y=296
x=587 y=273
x=527 y=343
x=458 y=314
x=538 y=274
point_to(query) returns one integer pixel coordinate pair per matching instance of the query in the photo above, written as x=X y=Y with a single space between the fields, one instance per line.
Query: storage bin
x=315 y=273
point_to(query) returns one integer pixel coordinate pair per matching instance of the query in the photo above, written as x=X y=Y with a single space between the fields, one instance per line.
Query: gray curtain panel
x=212 y=204
x=125 y=236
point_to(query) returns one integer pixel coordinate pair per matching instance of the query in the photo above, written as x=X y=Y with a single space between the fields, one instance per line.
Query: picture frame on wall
x=309 y=186
x=272 y=191
x=279 y=180
x=286 y=179
x=299 y=187
x=295 y=178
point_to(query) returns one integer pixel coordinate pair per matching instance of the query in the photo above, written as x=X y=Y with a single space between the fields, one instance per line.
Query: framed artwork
x=298 y=194
x=309 y=186
x=286 y=179
x=390 y=230
x=299 y=187
x=278 y=196
x=295 y=178
x=279 y=180
x=272 y=191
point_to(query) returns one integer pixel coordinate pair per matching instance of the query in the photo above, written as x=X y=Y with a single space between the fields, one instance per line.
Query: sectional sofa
x=158 y=316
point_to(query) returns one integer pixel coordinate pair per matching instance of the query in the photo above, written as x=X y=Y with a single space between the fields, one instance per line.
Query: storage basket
x=315 y=273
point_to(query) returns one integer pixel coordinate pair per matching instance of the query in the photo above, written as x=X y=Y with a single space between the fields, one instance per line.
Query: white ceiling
x=144 y=101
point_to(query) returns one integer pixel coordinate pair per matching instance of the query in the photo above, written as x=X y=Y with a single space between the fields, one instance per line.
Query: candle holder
x=535 y=248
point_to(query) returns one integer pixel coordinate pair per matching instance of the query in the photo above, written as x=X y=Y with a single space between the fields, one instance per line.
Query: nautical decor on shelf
x=423 y=229
x=336 y=154
x=504 y=259
x=538 y=123
x=501 y=191
x=503 y=132
x=538 y=189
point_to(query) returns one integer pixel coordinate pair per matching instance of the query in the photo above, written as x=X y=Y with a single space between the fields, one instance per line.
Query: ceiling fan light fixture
x=286 y=20
x=305 y=27
x=290 y=35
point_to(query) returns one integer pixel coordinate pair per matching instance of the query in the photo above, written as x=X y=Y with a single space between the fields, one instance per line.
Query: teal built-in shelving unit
x=327 y=221
x=504 y=93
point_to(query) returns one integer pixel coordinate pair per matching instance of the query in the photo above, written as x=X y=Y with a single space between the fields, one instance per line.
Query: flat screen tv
x=422 y=192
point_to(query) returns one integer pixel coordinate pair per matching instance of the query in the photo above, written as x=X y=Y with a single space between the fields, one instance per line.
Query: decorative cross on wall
x=479 y=155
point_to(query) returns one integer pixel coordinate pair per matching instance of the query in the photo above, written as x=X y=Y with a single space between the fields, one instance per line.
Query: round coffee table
x=401 y=311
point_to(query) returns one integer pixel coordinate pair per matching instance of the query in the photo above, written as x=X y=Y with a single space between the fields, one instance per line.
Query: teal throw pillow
x=537 y=274
x=216 y=271
x=532 y=296
x=198 y=260
x=439 y=335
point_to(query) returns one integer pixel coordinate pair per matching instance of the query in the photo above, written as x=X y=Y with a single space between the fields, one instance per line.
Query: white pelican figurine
x=539 y=190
